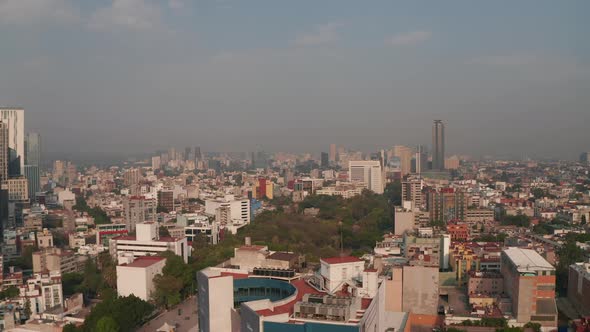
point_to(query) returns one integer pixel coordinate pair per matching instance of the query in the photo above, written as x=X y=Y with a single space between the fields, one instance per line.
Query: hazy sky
x=508 y=77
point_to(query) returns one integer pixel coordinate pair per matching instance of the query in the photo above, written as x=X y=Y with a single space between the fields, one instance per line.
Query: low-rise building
x=135 y=276
x=56 y=259
x=147 y=242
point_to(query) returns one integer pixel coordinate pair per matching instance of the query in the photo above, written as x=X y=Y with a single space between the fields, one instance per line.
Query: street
x=185 y=322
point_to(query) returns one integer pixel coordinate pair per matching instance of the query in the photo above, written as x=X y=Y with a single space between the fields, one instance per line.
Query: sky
x=508 y=78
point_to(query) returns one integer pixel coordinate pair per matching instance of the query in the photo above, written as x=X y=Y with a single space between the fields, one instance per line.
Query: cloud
x=135 y=15
x=323 y=34
x=409 y=38
x=20 y=12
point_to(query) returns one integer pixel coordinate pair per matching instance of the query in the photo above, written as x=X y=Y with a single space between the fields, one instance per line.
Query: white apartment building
x=136 y=275
x=338 y=271
x=44 y=291
x=239 y=207
x=147 y=242
x=368 y=172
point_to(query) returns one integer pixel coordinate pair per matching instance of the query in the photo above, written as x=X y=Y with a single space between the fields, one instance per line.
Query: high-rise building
x=33 y=177
x=333 y=153
x=585 y=157
x=138 y=209
x=33 y=163
x=33 y=149
x=15 y=120
x=188 y=154
x=3 y=151
x=198 y=153
x=446 y=204
x=325 y=160
x=368 y=172
x=412 y=191
x=421 y=160
x=404 y=154
x=438 y=145
x=529 y=281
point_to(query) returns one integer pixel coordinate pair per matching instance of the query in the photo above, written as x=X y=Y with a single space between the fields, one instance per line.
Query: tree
x=71 y=328
x=569 y=253
x=9 y=293
x=393 y=192
x=107 y=324
x=535 y=326
x=128 y=312
x=163 y=231
x=583 y=220
x=168 y=290
x=108 y=269
x=538 y=193
x=71 y=283
x=28 y=312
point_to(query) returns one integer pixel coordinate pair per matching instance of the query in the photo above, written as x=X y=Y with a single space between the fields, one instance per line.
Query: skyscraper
x=3 y=152
x=325 y=160
x=404 y=154
x=333 y=153
x=15 y=120
x=33 y=149
x=32 y=163
x=438 y=145
x=421 y=160
x=198 y=153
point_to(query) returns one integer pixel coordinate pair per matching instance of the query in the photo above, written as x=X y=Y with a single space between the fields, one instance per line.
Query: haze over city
x=509 y=79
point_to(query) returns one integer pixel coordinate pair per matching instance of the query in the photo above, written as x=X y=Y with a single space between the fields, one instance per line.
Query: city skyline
x=131 y=76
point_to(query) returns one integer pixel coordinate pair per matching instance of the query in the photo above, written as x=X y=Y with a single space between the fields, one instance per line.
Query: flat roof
x=527 y=260
x=341 y=260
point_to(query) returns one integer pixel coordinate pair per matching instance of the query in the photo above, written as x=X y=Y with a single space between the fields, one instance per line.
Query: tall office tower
x=15 y=120
x=33 y=163
x=438 y=145
x=131 y=176
x=412 y=191
x=585 y=157
x=33 y=177
x=404 y=154
x=3 y=151
x=325 y=160
x=368 y=172
x=421 y=160
x=333 y=153
x=198 y=153
x=156 y=162
x=33 y=149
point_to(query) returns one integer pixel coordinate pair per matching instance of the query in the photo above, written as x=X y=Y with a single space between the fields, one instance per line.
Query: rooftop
x=527 y=260
x=145 y=261
x=341 y=260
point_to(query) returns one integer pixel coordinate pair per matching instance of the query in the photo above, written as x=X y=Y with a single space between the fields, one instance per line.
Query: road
x=187 y=321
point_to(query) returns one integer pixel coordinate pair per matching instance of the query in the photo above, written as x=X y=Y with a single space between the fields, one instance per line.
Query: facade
x=147 y=242
x=421 y=160
x=44 y=291
x=578 y=290
x=333 y=154
x=15 y=120
x=412 y=192
x=420 y=289
x=34 y=180
x=33 y=149
x=438 y=145
x=368 y=172
x=529 y=281
x=138 y=209
x=166 y=200
x=136 y=277
x=57 y=260
x=446 y=204
x=239 y=207
x=18 y=189
x=105 y=232
x=337 y=270
x=4 y=160
x=404 y=154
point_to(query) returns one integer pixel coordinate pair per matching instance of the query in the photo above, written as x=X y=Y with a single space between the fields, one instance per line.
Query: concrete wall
x=215 y=302
x=420 y=290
